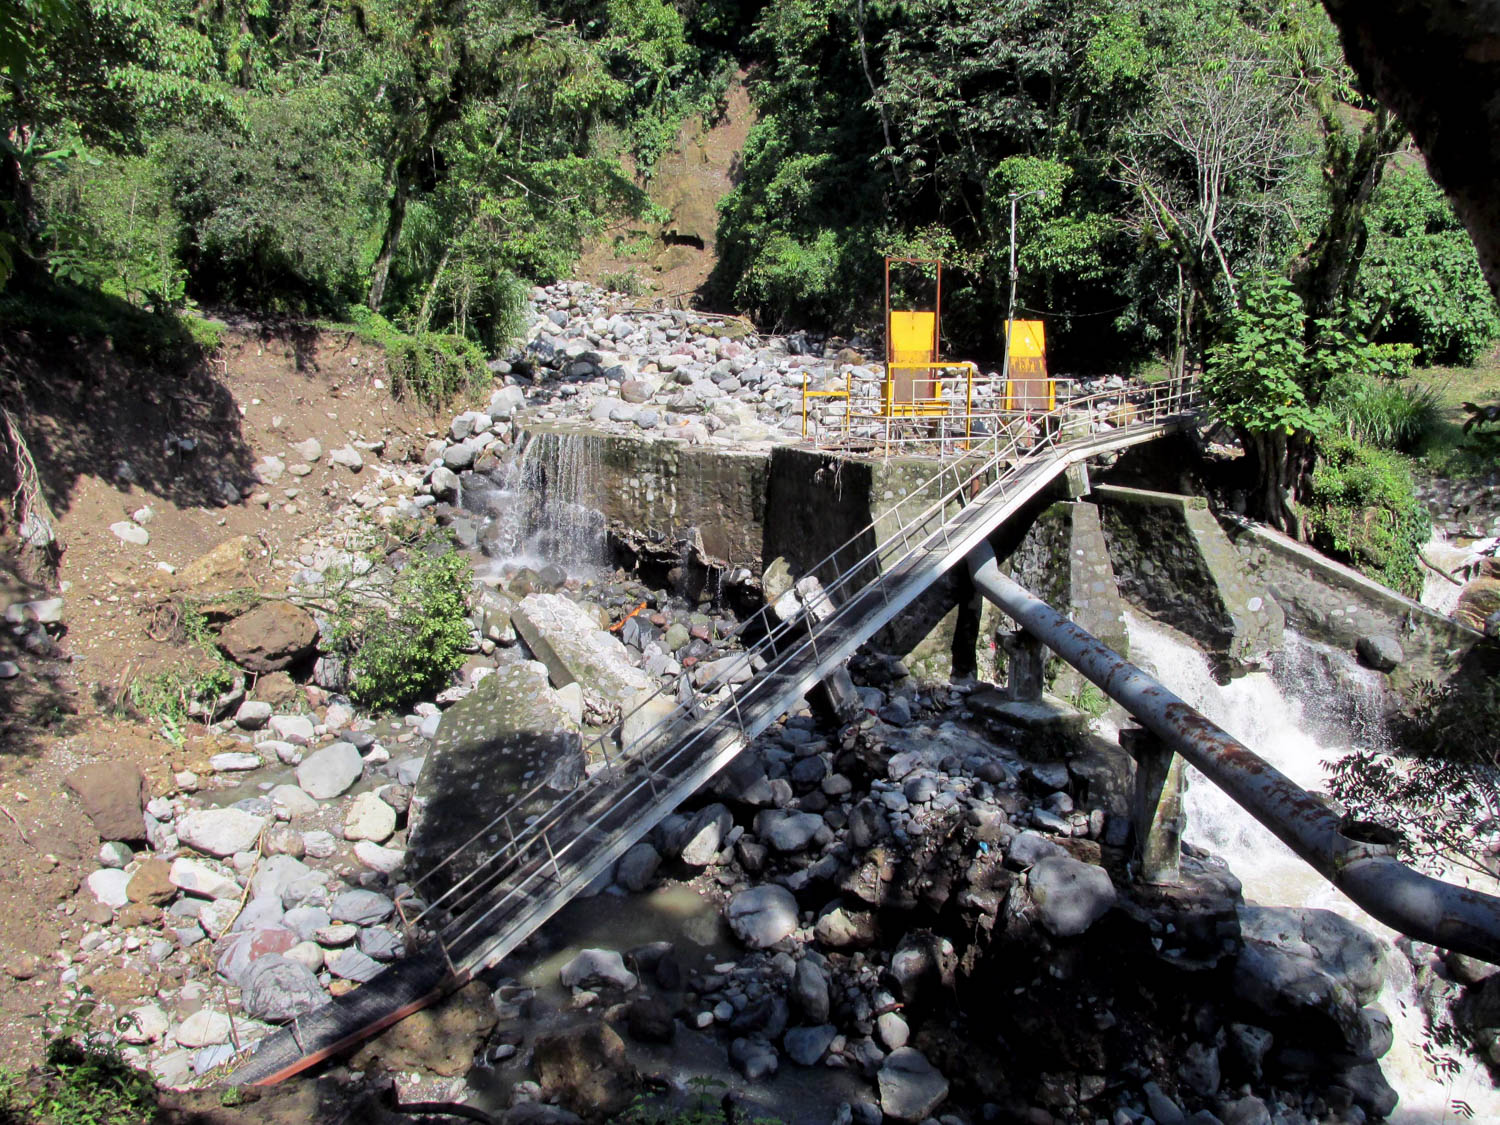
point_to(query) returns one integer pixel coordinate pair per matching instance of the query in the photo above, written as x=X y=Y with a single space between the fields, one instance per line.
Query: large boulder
x=113 y=795
x=504 y=739
x=585 y=1069
x=272 y=636
x=570 y=643
x=1070 y=896
x=911 y=1088
x=442 y=1039
x=1308 y=973
x=762 y=916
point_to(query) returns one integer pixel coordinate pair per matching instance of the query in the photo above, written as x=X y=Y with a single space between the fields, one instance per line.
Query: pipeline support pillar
x=1025 y=663
x=1160 y=818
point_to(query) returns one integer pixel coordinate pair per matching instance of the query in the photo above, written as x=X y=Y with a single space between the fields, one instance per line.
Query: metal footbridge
x=473 y=908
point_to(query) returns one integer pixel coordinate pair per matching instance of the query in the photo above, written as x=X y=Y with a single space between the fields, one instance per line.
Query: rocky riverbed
x=936 y=901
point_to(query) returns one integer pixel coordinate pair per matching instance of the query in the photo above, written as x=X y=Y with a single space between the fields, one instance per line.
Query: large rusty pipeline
x=1424 y=908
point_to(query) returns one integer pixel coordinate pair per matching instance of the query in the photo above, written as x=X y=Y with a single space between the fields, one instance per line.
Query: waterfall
x=1293 y=720
x=539 y=507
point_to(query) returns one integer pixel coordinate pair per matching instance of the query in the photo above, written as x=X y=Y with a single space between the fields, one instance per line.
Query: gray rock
x=363 y=908
x=348 y=457
x=636 y=391
x=1372 y=1093
x=1380 y=652
x=1029 y=848
x=330 y=771
x=235 y=761
x=1248 y=1110
x=893 y=1030
x=1162 y=1108
x=309 y=450
x=112 y=853
x=787 y=831
x=351 y=964
x=220 y=832
x=754 y=1058
x=762 y=916
x=911 y=1088
x=458 y=457
x=203 y=877
x=705 y=835
x=637 y=867
x=806 y=1045
x=1070 y=896
x=296 y=729
x=595 y=967
x=276 y=989
x=132 y=533
x=443 y=482
x=1199 y=1069
x=252 y=714
x=810 y=990
x=380 y=943
x=108 y=885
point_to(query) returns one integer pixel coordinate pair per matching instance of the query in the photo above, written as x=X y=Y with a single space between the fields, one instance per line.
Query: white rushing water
x=1452 y=557
x=538 y=507
x=1297 y=725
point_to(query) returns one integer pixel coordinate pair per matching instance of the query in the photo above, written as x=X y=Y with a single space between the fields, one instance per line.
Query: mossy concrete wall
x=660 y=486
x=1064 y=560
x=1173 y=559
x=820 y=505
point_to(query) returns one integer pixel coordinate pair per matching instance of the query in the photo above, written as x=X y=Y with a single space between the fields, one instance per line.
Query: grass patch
x=1447 y=451
x=61 y=314
x=170 y=698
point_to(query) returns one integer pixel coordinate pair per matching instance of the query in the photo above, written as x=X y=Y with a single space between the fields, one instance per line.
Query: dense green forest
x=1195 y=183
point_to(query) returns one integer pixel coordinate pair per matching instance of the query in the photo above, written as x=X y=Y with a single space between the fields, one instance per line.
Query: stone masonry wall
x=1334 y=604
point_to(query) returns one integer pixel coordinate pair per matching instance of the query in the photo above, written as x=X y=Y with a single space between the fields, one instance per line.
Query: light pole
x=1010 y=309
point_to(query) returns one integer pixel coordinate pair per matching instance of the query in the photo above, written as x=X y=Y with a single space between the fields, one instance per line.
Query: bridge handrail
x=1164 y=403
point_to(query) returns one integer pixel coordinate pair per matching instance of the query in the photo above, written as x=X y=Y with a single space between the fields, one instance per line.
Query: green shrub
x=81 y=1084
x=627 y=282
x=413 y=639
x=1361 y=506
x=1390 y=415
x=170 y=697
x=431 y=367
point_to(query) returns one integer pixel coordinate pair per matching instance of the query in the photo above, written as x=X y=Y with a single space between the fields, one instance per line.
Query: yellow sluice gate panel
x=911 y=384
x=1029 y=386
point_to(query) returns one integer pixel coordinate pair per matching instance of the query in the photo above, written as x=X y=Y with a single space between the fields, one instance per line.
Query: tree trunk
x=1351 y=175
x=1278 y=474
x=394 y=221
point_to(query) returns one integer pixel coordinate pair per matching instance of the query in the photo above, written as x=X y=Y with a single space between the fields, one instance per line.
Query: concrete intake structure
x=1417 y=905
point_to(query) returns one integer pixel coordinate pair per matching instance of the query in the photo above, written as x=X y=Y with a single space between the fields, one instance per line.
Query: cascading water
x=538 y=506
x=1318 y=704
x=1453 y=557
